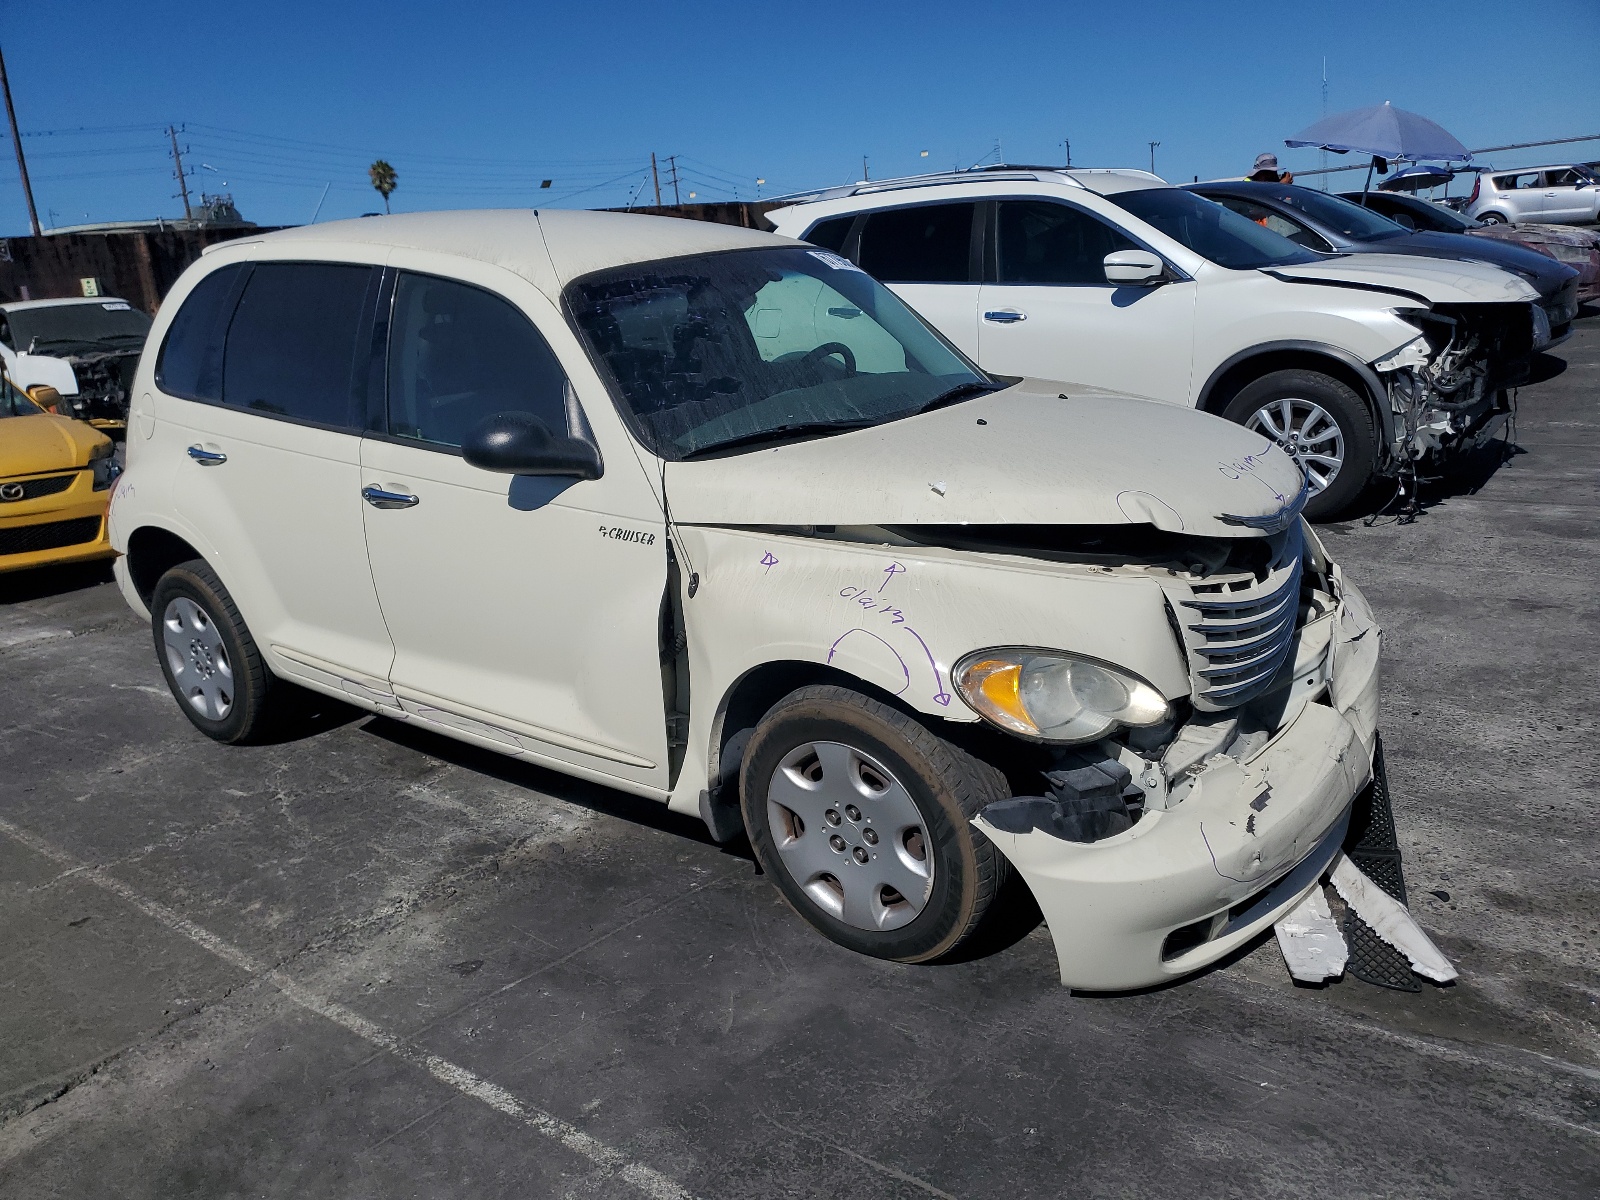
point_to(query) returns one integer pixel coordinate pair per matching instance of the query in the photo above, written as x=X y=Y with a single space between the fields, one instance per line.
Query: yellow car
x=55 y=485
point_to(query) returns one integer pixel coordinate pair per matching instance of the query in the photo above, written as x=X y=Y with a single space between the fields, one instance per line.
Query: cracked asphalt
x=374 y=962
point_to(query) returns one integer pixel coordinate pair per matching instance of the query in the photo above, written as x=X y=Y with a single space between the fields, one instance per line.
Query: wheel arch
x=1244 y=368
x=749 y=698
x=152 y=552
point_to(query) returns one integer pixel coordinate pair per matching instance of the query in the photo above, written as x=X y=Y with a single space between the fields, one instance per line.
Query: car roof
x=528 y=242
x=22 y=305
x=1104 y=180
x=1528 y=170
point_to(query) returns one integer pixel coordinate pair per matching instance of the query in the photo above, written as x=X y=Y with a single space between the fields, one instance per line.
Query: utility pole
x=1323 y=154
x=16 y=140
x=1153 y=146
x=672 y=165
x=864 y=175
x=183 y=184
x=1068 y=144
x=655 y=175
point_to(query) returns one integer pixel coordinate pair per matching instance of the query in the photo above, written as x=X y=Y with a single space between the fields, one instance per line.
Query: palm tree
x=384 y=179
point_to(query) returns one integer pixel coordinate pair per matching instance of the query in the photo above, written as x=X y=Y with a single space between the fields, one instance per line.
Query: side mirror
x=45 y=397
x=515 y=443
x=1138 y=268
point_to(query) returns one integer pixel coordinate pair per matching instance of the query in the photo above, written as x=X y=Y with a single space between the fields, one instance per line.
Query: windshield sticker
x=828 y=259
x=117 y=306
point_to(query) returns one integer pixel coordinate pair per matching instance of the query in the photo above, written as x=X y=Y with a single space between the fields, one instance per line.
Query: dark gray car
x=1330 y=225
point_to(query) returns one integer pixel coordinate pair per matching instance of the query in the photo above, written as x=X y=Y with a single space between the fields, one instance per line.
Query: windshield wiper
x=783 y=431
x=962 y=391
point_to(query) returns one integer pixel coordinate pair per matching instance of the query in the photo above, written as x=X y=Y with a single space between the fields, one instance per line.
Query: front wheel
x=1323 y=425
x=1493 y=218
x=862 y=817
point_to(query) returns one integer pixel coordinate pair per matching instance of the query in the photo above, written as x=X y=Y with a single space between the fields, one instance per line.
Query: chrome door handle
x=207 y=458
x=1005 y=316
x=379 y=498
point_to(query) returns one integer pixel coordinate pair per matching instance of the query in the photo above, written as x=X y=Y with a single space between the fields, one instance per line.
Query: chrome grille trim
x=1238 y=637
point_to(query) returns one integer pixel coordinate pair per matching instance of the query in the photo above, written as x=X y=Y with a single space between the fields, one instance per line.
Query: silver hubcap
x=850 y=835
x=197 y=659
x=1308 y=432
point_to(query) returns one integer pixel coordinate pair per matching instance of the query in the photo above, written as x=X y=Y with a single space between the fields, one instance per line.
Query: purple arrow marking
x=941 y=696
x=768 y=561
x=889 y=573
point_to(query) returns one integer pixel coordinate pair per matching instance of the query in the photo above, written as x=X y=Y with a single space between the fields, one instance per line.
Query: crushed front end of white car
x=1102 y=597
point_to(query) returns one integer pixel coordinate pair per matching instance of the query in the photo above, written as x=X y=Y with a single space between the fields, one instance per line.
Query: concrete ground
x=378 y=963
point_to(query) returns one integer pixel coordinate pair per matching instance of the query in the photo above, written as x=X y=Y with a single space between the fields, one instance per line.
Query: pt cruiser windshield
x=749 y=346
x=1212 y=231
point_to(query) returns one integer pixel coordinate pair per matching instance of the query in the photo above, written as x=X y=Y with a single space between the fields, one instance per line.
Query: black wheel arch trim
x=1376 y=393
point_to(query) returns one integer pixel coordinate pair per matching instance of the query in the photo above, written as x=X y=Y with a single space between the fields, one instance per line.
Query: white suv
x=1356 y=364
x=712 y=517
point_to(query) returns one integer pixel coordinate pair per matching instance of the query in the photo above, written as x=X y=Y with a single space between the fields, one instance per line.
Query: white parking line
x=651 y=1183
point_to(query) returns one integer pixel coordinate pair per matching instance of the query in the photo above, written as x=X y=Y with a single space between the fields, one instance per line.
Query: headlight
x=103 y=465
x=1053 y=696
x=1541 y=327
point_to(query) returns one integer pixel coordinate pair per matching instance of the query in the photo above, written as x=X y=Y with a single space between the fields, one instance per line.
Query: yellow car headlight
x=1053 y=696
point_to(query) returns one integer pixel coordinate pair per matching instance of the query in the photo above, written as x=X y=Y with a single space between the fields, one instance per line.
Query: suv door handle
x=207 y=458
x=1005 y=316
x=379 y=498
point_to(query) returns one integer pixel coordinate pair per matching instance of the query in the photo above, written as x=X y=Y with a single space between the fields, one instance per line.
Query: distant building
x=213 y=212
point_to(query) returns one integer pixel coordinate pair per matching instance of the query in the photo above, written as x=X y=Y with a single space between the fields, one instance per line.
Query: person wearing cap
x=1266 y=171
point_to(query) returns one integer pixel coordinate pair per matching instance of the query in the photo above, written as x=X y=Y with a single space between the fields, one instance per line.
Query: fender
x=1376 y=394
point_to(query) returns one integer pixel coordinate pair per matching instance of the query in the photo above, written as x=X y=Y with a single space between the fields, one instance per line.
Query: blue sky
x=475 y=104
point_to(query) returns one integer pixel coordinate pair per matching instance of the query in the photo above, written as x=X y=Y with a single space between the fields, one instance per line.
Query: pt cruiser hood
x=1437 y=280
x=1021 y=456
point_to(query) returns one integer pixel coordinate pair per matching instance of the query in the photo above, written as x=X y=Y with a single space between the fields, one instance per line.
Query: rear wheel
x=1323 y=425
x=210 y=661
x=863 y=819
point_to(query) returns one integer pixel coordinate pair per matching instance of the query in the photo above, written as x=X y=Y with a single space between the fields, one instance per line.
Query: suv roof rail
x=868 y=187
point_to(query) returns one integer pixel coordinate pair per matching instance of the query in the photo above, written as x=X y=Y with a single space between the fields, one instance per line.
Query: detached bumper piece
x=1381 y=943
x=1374 y=850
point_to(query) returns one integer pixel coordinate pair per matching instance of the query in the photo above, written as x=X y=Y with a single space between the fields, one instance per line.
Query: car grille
x=52 y=535
x=32 y=489
x=1240 y=631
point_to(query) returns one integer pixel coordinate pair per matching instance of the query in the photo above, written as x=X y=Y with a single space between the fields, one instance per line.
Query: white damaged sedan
x=710 y=516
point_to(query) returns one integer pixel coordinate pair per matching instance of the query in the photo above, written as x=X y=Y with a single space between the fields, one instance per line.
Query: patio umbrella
x=1385 y=132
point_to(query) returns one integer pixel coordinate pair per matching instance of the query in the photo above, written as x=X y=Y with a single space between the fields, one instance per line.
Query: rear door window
x=1043 y=242
x=458 y=354
x=295 y=347
x=190 y=365
x=830 y=235
x=931 y=243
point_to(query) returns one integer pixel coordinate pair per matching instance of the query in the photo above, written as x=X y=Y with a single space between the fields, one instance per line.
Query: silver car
x=1559 y=195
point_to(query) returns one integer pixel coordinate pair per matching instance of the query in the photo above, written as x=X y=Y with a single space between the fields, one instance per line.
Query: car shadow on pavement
x=38 y=583
x=594 y=796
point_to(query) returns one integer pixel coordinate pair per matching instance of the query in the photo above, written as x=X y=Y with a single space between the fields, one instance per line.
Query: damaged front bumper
x=1240 y=842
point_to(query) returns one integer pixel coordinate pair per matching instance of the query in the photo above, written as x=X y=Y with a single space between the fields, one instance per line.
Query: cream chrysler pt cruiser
x=710 y=516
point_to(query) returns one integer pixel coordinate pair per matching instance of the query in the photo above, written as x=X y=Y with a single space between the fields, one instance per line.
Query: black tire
x=1494 y=218
x=947 y=785
x=255 y=699
x=1348 y=411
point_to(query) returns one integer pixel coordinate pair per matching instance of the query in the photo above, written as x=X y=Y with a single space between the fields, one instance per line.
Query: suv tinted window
x=458 y=354
x=1041 y=242
x=830 y=235
x=294 y=348
x=928 y=244
x=190 y=365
